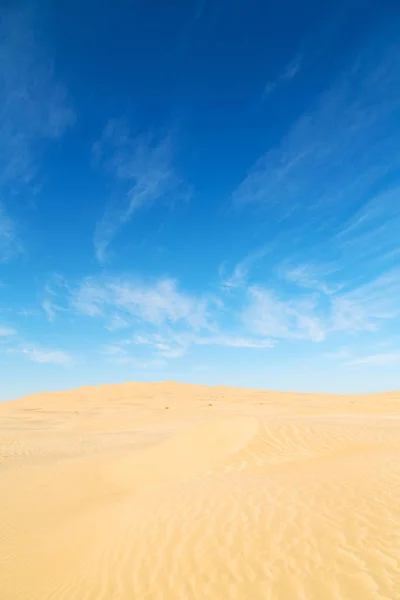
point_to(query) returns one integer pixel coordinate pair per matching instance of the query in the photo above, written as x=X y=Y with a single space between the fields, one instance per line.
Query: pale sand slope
x=105 y=495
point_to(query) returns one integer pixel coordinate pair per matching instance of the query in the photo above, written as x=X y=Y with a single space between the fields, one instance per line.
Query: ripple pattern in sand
x=231 y=509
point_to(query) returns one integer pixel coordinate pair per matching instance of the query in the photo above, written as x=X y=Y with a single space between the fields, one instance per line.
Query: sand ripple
x=200 y=502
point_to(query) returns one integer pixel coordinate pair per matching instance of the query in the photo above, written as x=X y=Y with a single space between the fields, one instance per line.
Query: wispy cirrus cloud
x=317 y=309
x=365 y=307
x=336 y=157
x=371 y=233
x=143 y=168
x=376 y=360
x=27 y=312
x=178 y=320
x=172 y=344
x=166 y=343
x=238 y=277
x=135 y=363
x=330 y=195
x=51 y=297
x=289 y=72
x=51 y=309
x=232 y=340
x=7 y=331
x=35 y=106
x=10 y=243
x=169 y=322
x=34 y=110
x=113 y=350
x=267 y=314
x=311 y=276
x=117 y=322
x=157 y=303
x=43 y=355
x=15 y=344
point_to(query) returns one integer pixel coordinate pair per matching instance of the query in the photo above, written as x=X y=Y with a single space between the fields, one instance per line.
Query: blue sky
x=206 y=191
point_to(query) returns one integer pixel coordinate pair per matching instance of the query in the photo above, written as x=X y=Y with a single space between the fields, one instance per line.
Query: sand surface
x=107 y=494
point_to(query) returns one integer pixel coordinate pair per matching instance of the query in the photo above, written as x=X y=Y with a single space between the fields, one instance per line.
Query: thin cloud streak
x=376 y=360
x=365 y=307
x=158 y=303
x=240 y=274
x=10 y=244
x=289 y=72
x=35 y=105
x=234 y=341
x=335 y=156
x=174 y=344
x=50 y=303
x=316 y=315
x=51 y=309
x=143 y=165
x=270 y=316
x=331 y=190
x=7 y=331
x=34 y=109
x=310 y=276
x=171 y=320
x=42 y=355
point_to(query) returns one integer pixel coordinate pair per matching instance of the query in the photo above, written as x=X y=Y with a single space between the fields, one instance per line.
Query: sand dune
x=169 y=491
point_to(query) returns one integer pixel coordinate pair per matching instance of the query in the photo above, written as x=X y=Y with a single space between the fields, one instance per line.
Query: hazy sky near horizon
x=206 y=191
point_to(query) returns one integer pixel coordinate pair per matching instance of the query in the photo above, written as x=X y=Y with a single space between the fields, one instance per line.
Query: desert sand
x=171 y=491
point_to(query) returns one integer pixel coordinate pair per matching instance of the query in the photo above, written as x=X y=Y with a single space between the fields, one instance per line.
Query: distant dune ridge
x=229 y=494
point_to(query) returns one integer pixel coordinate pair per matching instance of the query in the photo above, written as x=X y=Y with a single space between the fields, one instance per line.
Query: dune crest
x=229 y=494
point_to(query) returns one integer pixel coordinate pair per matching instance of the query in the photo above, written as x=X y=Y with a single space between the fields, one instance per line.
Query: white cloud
x=171 y=322
x=117 y=322
x=24 y=312
x=143 y=165
x=240 y=274
x=90 y=297
x=377 y=360
x=156 y=303
x=34 y=106
x=10 y=244
x=171 y=352
x=328 y=192
x=52 y=292
x=333 y=157
x=44 y=355
x=314 y=316
x=113 y=350
x=7 y=331
x=267 y=315
x=310 y=276
x=172 y=344
x=168 y=344
x=234 y=341
x=364 y=307
x=133 y=362
x=51 y=309
x=34 y=109
x=236 y=279
x=371 y=233
x=289 y=72
x=12 y=343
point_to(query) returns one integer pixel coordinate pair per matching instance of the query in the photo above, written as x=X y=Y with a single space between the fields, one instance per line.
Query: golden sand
x=228 y=494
